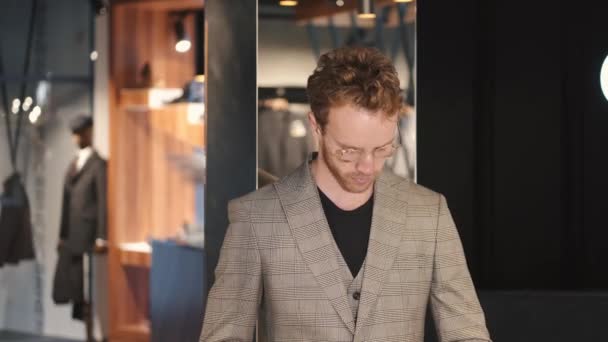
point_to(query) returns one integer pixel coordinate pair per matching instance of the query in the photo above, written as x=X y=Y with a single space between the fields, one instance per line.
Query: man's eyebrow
x=388 y=143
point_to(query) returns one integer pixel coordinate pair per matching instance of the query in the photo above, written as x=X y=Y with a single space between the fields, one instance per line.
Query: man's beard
x=346 y=180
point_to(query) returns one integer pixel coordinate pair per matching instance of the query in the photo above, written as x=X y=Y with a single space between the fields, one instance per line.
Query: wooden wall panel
x=147 y=36
x=157 y=196
x=148 y=195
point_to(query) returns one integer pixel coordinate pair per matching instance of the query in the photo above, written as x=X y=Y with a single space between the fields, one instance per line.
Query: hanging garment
x=15 y=223
x=284 y=141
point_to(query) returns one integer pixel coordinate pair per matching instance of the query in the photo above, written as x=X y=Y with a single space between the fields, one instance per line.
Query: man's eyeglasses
x=351 y=154
x=355 y=154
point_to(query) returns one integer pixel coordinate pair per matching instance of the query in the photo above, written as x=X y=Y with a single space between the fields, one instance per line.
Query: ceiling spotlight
x=183 y=41
x=404 y=0
x=365 y=9
x=16 y=105
x=339 y=3
x=183 y=46
x=27 y=104
x=35 y=114
x=288 y=3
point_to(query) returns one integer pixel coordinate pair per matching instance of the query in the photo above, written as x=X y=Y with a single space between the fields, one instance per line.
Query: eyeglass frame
x=339 y=153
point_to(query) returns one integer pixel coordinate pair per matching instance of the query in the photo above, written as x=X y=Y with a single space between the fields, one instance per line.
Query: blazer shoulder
x=99 y=160
x=265 y=193
x=255 y=199
x=415 y=192
x=248 y=206
x=422 y=190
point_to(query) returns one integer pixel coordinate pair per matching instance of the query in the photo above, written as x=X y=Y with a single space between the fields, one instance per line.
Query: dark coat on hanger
x=15 y=223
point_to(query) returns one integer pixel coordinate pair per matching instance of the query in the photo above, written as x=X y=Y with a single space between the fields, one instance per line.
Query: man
x=341 y=250
x=83 y=223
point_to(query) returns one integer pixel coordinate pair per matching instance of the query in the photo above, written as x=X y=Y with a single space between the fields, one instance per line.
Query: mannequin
x=83 y=223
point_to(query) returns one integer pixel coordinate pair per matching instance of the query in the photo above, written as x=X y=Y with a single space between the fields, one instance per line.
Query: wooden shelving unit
x=135 y=332
x=148 y=197
x=135 y=255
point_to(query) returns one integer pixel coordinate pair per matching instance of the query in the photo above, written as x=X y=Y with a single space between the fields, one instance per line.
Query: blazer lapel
x=300 y=201
x=388 y=222
x=84 y=168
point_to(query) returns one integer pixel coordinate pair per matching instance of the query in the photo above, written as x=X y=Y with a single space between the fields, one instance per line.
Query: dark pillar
x=231 y=112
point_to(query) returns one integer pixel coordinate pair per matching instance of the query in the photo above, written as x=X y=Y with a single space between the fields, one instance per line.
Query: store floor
x=10 y=336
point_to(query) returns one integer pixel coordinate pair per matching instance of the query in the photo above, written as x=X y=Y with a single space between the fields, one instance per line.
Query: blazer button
x=356 y=295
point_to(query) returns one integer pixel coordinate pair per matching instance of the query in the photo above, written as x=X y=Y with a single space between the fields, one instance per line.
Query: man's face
x=359 y=131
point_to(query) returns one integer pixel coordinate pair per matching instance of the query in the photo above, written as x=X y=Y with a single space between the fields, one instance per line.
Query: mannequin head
x=83 y=138
x=82 y=131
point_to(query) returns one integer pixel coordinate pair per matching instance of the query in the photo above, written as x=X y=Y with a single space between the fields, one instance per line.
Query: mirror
x=291 y=37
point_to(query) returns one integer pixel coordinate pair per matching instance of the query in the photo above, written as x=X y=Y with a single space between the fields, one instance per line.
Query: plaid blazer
x=278 y=267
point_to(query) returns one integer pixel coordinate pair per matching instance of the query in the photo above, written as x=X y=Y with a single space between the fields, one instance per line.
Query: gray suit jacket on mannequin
x=84 y=212
x=83 y=219
x=280 y=265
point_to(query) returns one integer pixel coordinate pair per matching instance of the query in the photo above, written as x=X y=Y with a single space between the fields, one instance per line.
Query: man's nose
x=365 y=164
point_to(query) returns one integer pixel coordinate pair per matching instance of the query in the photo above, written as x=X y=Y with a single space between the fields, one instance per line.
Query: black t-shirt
x=350 y=229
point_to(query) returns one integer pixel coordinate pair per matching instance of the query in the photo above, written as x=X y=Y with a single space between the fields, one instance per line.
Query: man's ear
x=314 y=124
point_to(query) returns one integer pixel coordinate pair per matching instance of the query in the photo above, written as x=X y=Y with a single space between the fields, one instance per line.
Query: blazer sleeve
x=101 y=181
x=454 y=304
x=234 y=299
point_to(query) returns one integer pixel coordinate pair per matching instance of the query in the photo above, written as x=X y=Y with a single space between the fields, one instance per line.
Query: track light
x=27 y=103
x=35 y=114
x=16 y=105
x=365 y=9
x=183 y=42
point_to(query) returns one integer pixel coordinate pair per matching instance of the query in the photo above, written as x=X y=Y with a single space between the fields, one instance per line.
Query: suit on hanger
x=279 y=150
x=15 y=222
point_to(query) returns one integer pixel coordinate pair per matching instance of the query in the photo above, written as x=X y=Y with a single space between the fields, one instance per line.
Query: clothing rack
x=291 y=94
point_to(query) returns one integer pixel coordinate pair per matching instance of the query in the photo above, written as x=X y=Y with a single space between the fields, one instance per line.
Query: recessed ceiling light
x=288 y=3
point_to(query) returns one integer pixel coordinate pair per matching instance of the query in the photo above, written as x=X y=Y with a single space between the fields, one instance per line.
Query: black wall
x=511 y=128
